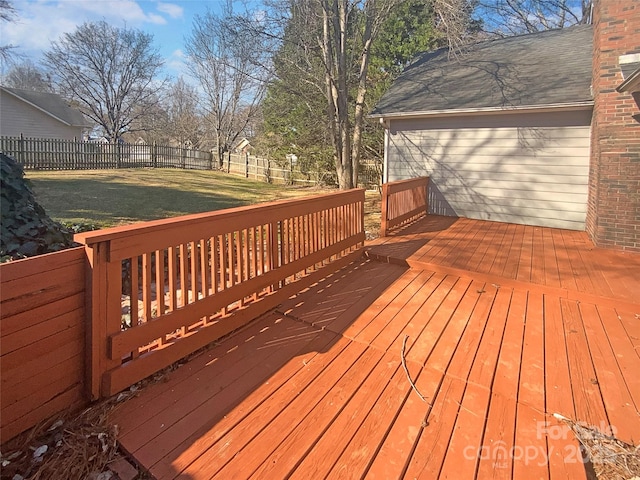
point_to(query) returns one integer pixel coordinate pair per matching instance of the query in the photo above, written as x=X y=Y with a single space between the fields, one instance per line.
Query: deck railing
x=163 y=289
x=402 y=202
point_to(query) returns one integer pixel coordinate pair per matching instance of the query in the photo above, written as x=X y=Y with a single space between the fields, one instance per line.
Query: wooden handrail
x=162 y=289
x=402 y=202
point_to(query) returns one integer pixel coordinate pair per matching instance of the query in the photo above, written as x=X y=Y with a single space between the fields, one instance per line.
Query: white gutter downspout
x=385 y=163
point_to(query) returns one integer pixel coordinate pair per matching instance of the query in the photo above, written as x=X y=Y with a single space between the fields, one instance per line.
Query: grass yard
x=115 y=197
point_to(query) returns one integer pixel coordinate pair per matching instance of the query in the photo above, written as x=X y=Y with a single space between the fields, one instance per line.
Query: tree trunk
x=358 y=121
x=334 y=48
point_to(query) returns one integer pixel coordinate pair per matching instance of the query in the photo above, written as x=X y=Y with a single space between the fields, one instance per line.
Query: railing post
x=426 y=196
x=384 y=224
x=103 y=306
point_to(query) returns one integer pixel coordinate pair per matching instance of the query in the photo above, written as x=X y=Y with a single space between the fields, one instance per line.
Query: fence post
x=184 y=158
x=76 y=156
x=154 y=155
x=229 y=163
x=22 y=151
x=246 y=165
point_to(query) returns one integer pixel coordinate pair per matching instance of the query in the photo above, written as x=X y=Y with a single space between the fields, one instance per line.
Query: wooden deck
x=504 y=326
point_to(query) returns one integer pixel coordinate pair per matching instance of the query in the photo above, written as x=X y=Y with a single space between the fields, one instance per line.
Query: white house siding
x=18 y=117
x=527 y=168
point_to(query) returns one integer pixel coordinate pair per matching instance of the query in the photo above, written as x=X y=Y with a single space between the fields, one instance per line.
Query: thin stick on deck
x=406 y=370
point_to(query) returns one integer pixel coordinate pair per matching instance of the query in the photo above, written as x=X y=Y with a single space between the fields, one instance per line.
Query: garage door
x=530 y=168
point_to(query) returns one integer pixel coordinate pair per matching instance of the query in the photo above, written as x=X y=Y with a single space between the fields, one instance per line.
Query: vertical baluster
x=249 y=253
x=184 y=280
x=194 y=271
x=133 y=300
x=240 y=256
x=160 y=288
x=215 y=265
x=160 y=281
x=134 y=290
x=204 y=269
x=244 y=253
x=254 y=250
x=184 y=268
x=298 y=237
x=316 y=234
x=173 y=276
x=146 y=286
x=304 y=246
x=226 y=257
x=284 y=240
x=232 y=259
x=222 y=251
x=261 y=258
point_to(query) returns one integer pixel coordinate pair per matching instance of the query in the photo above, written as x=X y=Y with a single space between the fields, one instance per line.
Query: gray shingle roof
x=551 y=67
x=53 y=105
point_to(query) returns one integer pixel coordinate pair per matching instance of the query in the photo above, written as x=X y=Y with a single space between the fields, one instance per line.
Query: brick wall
x=613 y=218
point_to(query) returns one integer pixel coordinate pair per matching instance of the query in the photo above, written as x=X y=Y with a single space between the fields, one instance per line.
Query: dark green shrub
x=26 y=229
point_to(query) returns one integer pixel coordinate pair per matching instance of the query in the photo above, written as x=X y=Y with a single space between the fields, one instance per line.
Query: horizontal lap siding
x=18 y=117
x=519 y=168
x=42 y=333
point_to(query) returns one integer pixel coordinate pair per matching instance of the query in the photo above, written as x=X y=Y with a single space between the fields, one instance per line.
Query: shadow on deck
x=504 y=326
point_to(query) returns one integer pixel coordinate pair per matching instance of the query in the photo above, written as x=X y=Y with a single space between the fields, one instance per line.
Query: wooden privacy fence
x=163 y=289
x=258 y=168
x=42 y=332
x=54 y=154
x=402 y=202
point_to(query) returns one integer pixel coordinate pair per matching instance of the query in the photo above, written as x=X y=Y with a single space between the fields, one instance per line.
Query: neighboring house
x=507 y=130
x=39 y=115
x=243 y=146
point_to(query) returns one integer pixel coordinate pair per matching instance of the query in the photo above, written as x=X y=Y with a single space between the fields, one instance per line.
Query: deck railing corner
x=403 y=201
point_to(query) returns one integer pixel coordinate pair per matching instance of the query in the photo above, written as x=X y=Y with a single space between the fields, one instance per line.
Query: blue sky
x=39 y=22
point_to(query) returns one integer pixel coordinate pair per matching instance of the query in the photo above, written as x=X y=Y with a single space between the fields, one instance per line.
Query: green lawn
x=114 y=197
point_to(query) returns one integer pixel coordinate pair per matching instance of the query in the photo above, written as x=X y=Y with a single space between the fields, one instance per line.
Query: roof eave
x=555 y=107
x=47 y=112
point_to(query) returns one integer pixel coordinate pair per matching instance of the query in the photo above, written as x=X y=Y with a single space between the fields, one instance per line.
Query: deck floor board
x=504 y=326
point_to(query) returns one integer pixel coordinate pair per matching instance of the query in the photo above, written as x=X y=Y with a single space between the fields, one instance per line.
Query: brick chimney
x=613 y=216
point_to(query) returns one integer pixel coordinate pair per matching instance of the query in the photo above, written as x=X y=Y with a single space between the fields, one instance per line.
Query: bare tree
x=514 y=17
x=109 y=72
x=329 y=44
x=152 y=124
x=184 y=122
x=229 y=64
x=7 y=14
x=27 y=76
